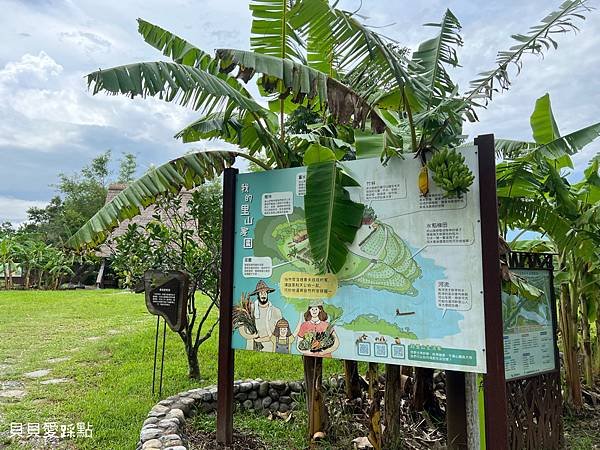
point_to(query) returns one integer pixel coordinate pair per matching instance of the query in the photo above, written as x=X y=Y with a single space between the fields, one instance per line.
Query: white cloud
x=51 y=123
x=86 y=41
x=14 y=210
x=40 y=67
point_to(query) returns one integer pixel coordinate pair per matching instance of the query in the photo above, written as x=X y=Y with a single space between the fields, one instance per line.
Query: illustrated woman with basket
x=316 y=336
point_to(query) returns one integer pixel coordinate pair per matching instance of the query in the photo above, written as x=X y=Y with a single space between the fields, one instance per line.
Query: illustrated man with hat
x=266 y=317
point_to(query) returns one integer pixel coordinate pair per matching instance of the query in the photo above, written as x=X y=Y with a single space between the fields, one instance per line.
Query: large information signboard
x=529 y=346
x=410 y=292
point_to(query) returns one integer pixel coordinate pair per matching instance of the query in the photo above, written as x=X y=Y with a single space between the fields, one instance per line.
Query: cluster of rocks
x=267 y=396
x=164 y=426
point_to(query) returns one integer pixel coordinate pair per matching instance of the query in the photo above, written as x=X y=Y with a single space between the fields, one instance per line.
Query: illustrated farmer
x=266 y=317
x=282 y=336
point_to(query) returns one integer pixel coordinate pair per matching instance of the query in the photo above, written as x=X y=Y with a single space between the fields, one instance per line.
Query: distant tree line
x=34 y=252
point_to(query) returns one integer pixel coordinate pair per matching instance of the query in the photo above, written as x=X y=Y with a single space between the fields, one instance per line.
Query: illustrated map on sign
x=410 y=291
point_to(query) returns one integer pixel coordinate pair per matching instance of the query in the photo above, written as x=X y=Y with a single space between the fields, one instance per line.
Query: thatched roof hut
x=106 y=250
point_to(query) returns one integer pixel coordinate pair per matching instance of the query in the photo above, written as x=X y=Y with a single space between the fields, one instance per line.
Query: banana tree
x=27 y=253
x=59 y=265
x=535 y=195
x=309 y=54
x=9 y=248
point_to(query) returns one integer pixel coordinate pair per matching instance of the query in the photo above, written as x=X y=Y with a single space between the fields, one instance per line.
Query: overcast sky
x=50 y=124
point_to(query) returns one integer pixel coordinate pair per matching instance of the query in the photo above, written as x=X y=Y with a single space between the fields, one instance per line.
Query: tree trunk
x=588 y=371
x=392 y=435
x=5 y=277
x=352 y=380
x=313 y=379
x=56 y=283
x=27 y=275
x=423 y=396
x=569 y=336
x=193 y=365
x=374 y=408
x=597 y=349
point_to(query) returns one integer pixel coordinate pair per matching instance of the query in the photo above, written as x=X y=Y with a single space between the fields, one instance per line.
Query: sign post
x=166 y=296
x=496 y=428
x=226 y=356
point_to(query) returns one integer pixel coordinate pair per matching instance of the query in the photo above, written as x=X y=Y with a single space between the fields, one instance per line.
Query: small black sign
x=166 y=296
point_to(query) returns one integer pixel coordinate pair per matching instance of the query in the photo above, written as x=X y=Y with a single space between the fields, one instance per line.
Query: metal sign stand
x=535 y=400
x=162 y=359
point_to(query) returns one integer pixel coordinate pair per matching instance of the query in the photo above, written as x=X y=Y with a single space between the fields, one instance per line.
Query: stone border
x=164 y=426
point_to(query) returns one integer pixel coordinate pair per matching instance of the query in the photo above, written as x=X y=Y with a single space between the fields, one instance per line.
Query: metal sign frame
x=534 y=401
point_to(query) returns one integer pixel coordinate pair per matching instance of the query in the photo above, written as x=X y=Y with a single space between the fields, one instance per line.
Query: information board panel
x=528 y=328
x=410 y=292
x=166 y=296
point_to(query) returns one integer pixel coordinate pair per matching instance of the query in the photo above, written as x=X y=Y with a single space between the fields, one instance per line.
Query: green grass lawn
x=109 y=337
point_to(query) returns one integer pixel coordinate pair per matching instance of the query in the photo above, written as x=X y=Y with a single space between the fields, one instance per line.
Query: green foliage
x=433 y=55
x=286 y=77
x=128 y=166
x=538 y=39
x=133 y=255
x=272 y=33
x=535 y=195
x=311 y=54
x=300 y=120
x=332 y=218
x=180 y=236
x=185 y=235
x=188 y=171
x=189 y=86
x=80 y=196
x=542 y=121
x=317 y=153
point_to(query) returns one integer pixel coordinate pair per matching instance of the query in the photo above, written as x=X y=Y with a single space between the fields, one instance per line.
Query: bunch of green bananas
x=450 y=172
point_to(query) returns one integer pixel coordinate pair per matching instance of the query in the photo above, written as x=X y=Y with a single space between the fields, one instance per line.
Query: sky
x=51 y=124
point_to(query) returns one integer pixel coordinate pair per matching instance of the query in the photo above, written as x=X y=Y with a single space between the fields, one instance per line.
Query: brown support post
x=225 y=375
x=496 y=425
x=456 y=407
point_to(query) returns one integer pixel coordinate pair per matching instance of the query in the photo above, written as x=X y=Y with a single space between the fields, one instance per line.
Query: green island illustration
x=384 y=263
x=370 y=322
x=364 y=323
